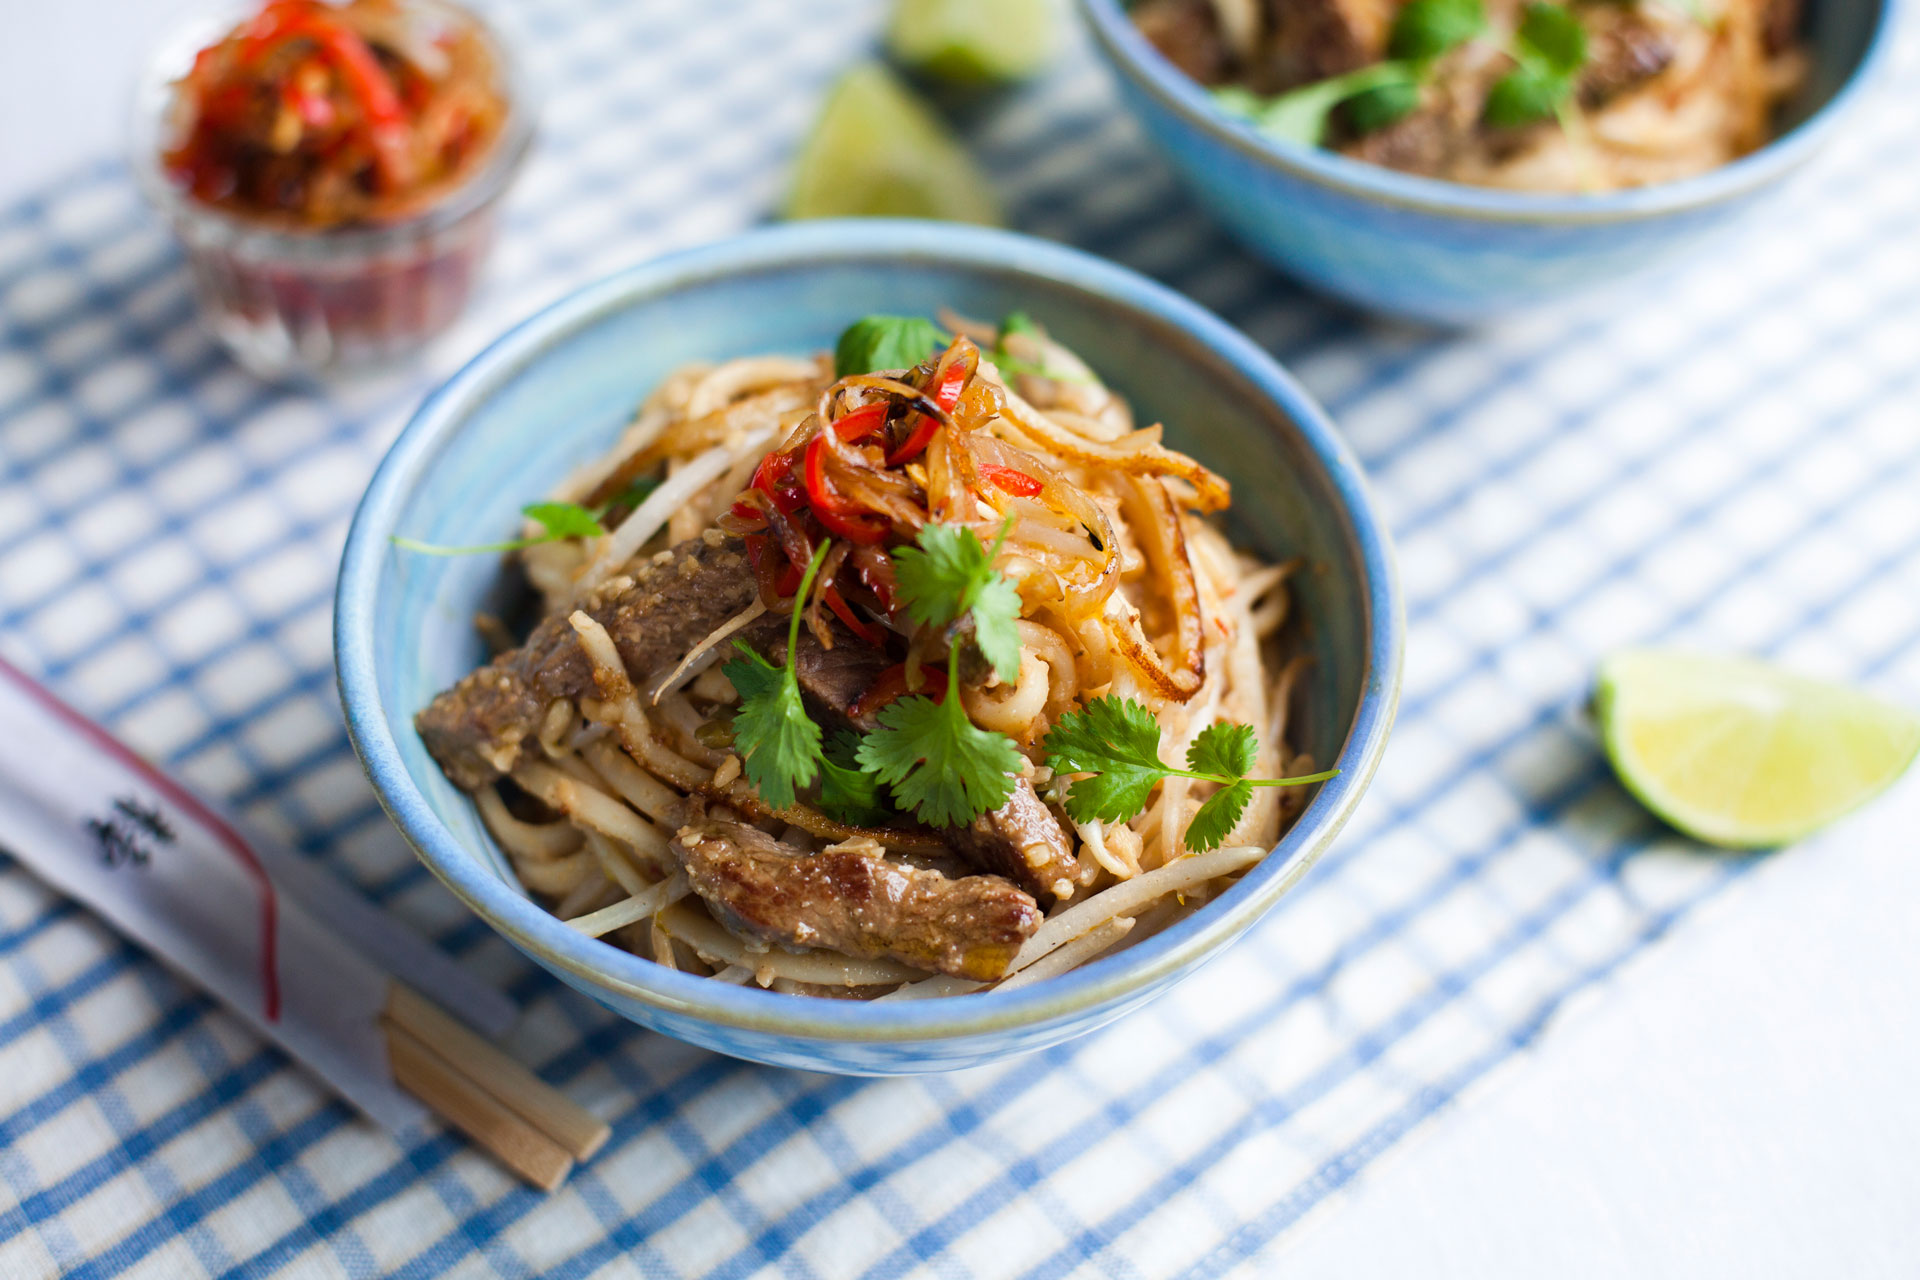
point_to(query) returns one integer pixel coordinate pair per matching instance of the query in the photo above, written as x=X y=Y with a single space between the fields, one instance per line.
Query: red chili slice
x=861 y=423
x=773 y=477
x=844 y=611
x=841 y=518
x=1017 y=483
x=360 y=71
x=946 y=394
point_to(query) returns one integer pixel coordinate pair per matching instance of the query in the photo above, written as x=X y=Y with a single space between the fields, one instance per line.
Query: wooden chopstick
x=533 y=1128
x=474 y=1111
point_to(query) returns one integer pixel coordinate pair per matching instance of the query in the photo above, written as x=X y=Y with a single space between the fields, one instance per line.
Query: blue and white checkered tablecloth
x=1728 y=453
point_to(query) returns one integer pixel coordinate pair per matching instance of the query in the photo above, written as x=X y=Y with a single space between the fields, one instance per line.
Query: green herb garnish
x=1118 y=741
x=1425 y=29
x=779 y=744
x=558 y=519
x=1548 y=51
x=886 y=342
x=847 y=793
x=939 y=764
x=948 y=574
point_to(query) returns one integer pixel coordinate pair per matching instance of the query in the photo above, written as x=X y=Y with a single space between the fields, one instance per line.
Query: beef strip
x=1624 y=50
x=1022 y=841
x=1315 y=39
x=857 y=904
x=655 y=612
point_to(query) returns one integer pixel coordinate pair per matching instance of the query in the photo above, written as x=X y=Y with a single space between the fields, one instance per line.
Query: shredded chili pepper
x=844 y=611
x=365 y=80
x=1009 y=480
x=861 y=422
x=773 y=477
x=892 y=683
x=946 y=394
x=842 y=518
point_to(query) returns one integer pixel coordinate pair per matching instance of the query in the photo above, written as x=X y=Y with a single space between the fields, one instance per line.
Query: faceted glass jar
x=287 y=300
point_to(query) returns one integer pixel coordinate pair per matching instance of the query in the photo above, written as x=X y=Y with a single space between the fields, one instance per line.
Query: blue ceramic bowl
x=1449 y=253
x=557 y=390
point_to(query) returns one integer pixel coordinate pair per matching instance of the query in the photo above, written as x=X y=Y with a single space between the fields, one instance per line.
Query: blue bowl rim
x=1135 y=57
x=533 y=929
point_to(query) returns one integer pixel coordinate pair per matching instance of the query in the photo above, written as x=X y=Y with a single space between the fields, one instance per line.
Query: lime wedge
x=972 y=42
x=878 y=152
x=1741 y=753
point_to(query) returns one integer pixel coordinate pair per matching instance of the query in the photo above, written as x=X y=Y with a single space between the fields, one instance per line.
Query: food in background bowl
x=1591 y=96
x=857 y=675
x=1428 y=248
x=332 y=170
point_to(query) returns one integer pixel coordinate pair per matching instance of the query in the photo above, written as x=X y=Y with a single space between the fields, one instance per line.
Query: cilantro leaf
x=947 y=574
x=1300 y=115
x=886 y=342
x=778 y=742
x=1550 y=34
x=564 y=520
x=1523 y=96
x=1223 y=748
x=1017 y=322
x=1118 y=741
x=781 y=743
x=849 y=793
x=558 y=519
x=1377 y=108
x=1549 y=49
x=1425 y=29
x=939 y=763
x=996 y=625
x=1216 y=818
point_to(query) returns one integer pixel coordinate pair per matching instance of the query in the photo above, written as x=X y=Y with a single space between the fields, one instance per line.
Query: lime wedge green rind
x=877 y=151
x=973 y=42
x=1741 y=753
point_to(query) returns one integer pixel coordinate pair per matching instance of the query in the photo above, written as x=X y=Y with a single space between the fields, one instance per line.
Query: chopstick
x=531 y=1127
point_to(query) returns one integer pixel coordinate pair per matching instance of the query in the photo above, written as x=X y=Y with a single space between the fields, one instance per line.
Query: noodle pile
x=1125 y=589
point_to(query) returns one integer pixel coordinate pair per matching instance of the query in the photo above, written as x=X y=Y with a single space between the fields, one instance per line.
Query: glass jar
x=287 y=299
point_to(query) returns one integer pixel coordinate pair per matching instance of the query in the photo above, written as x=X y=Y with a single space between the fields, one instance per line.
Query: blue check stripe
x=665 y=130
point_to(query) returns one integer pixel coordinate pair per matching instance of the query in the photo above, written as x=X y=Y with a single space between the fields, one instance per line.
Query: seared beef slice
x=655 y=613
x=857 y=904
x=1022 y=841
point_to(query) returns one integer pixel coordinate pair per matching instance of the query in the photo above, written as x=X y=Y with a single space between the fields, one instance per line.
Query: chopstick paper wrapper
x=385 y=1019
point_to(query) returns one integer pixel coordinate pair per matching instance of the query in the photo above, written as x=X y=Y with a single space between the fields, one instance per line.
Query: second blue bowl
x=1444 y=252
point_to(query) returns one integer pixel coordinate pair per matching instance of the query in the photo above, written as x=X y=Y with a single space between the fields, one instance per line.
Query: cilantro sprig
x=1117 y=741
x=557 y=520
x=948 y=575
x=778 y=742
x=1374 y=96
x=932 y=759
x=1548 y=51
x=937 y=762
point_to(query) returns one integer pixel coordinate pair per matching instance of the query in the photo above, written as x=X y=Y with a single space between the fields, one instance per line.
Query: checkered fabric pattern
x=1728 y=453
